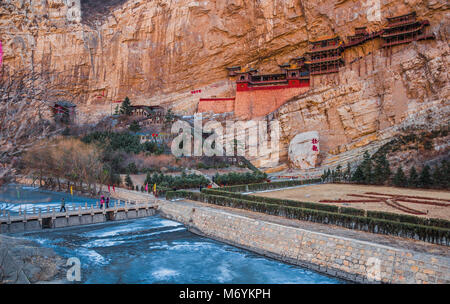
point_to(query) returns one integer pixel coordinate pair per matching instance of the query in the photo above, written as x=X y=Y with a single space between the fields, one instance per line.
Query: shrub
x=239 y=178
x=184 y=181
x=268 y=186
x=376 y=225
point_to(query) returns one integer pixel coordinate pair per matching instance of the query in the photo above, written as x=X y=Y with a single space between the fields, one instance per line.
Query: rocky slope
x=157 y=52
x=24 y=262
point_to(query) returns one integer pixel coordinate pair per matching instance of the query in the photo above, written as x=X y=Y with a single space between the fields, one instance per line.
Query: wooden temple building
x=325 y=56
x=404 y=29
x=291 y=76
x=148 y=115
x=64 y=111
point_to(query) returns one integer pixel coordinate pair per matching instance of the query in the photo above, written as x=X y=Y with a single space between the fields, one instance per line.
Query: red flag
x=114 y=188
x=109 y=188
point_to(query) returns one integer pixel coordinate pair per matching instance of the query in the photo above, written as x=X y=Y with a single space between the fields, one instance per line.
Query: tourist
x=107 y=202
x=63 y=205
x=102 y=201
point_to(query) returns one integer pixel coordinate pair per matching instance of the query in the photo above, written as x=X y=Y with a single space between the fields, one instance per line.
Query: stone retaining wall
x=346 y=258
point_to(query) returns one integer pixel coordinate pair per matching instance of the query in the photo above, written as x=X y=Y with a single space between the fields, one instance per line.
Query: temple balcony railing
x=408 y=40
x=267 y=82
x=272 y=77
x=386 y=35
x=334 y=58
x=325 y=48
x=325 y=71
x=355 y=40
x=402 y=23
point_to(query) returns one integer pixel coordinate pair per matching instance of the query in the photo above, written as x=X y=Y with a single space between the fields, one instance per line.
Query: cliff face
x=157 y=52
x=376 y=98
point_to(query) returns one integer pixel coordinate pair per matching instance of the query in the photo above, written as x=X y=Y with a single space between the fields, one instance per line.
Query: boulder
x=304 y=150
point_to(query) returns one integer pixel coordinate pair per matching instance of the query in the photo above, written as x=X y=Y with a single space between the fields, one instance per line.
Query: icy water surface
x=156 y=250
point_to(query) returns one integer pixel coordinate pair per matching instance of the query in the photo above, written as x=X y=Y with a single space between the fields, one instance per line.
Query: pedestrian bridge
x=50 y=218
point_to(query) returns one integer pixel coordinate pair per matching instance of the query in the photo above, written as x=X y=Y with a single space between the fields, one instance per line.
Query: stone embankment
x=351 y=255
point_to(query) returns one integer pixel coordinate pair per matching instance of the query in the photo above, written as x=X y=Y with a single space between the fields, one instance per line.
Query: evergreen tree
x=338 y=173
x=134 y=126
x=128 y=181
x=366 y=168
x=358 y=175
x=348 y=173
x=413 y=180
x=116 y=110
x=169 y=117
x=324 y=176
x=425 y=177
x=445 y=171
x=333 y=176
x=438 y=179
x=125 y=108
x=382 y=171
x=400 y=179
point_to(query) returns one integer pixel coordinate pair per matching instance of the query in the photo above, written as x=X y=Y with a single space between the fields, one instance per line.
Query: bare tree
x=69 y=159
x=26 y=99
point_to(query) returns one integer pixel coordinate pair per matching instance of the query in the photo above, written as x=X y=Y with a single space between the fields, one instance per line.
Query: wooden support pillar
x=373 y=58
x=365 y=65
x=359 y=67
x=390 y=56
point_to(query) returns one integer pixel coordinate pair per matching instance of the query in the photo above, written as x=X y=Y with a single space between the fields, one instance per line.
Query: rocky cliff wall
x=158 y=52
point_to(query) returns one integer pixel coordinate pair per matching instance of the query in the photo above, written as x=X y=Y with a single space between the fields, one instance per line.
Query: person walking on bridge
x=63 y=205
x=102 y=202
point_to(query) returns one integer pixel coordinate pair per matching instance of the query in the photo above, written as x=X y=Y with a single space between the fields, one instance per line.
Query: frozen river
x=156 y=250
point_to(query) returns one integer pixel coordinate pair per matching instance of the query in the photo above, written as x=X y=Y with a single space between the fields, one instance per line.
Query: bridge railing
x=73 y=209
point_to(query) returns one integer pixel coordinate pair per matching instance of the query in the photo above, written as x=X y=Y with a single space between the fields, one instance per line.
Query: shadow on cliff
x=96 y=10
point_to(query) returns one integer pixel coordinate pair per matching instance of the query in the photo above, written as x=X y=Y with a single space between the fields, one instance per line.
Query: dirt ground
x=418 y=202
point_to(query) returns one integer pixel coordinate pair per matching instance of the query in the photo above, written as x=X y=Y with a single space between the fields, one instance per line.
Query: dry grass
x=317 y=193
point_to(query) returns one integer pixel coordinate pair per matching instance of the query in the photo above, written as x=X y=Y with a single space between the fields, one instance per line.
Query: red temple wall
x=260 y=102
x=219 y=105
